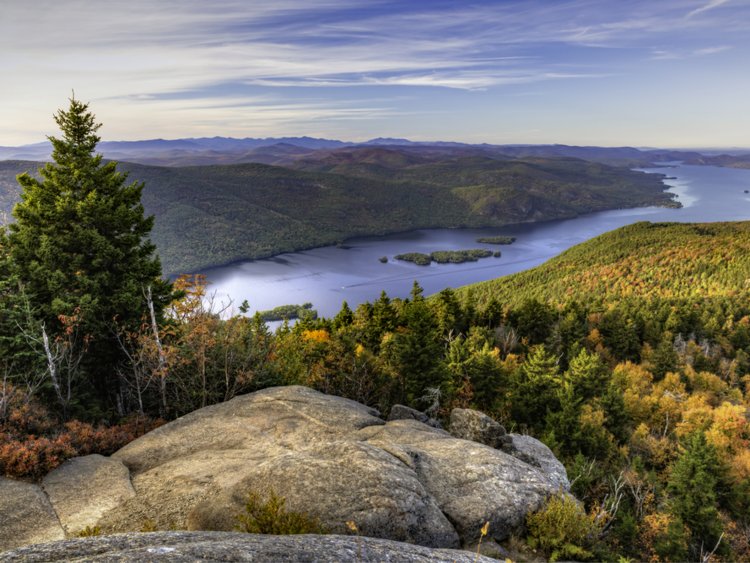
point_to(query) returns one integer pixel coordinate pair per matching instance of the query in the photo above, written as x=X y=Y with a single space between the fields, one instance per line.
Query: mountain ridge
x=229 y=150
x=218 y=214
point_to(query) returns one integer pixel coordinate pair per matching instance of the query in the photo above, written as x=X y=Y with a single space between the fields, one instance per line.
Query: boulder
x=284 y=417
x=372 y=488
x=476 y=426
x=402 y=412
x=178 y=547
x=297 y=442
x=330 y=457
x=535 y=453
x=26 y=515
x=472 y=483
x=82 y=489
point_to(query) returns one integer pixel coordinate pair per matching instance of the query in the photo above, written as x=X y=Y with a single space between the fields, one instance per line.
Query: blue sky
x=670 y=73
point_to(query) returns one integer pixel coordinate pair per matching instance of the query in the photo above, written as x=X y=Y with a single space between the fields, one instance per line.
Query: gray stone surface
x=332 y=458
x=183 y=547
x=476 y=426
x=402 y=412
x=535 y=453
x=283 y=415
x=370 y=487
x=82 y=489
x=26 y=515
x=472 y=483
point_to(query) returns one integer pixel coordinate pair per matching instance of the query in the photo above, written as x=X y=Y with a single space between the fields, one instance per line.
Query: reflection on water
x=327 y=276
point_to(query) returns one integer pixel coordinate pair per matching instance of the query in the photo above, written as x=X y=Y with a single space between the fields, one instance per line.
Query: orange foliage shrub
x=32 y=444
x=34 y=457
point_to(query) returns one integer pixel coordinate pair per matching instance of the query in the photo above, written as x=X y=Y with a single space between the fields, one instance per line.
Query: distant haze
x=671 y=73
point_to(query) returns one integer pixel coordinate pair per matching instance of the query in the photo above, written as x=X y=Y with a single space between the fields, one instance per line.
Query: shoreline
x=343 y=243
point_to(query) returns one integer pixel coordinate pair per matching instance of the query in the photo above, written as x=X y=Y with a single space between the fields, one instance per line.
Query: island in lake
x=496 y=240
x=289 y=312
x=447 y=256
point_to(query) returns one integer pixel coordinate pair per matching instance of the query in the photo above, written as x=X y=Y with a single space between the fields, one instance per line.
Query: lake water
x=328 y=276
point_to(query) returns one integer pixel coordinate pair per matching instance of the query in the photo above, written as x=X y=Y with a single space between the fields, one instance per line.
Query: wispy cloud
x=706 y=7
x=277 y=59
x=712 y=50
x=664 y=55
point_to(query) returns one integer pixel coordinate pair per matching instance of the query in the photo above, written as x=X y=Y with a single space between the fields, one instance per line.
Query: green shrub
x=270 y=517
x=89 y=532
x=149 y=526
x=562 y=529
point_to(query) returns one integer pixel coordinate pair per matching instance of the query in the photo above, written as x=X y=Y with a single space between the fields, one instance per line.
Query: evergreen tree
x=537 y=388
x=415 y=351
x=533 y=319
x=693 y=485
x=664 y=358
x=587 y=375
x=80 y=244
x=345 y=316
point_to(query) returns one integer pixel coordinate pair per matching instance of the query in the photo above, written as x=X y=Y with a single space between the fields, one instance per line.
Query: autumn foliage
x=32 y=443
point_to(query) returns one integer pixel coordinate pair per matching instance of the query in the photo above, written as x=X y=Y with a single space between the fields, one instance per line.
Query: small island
x=447 y=256
x=289 y=312
x=418 y=258
x=496 y=240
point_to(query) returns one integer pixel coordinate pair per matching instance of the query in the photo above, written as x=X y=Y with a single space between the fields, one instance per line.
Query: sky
x=658 y=73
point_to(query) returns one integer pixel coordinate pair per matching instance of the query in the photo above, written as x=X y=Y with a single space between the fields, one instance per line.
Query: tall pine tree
x=80 y=245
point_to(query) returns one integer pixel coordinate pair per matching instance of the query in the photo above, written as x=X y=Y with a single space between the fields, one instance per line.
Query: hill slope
x=210 y=215
x=643 y=260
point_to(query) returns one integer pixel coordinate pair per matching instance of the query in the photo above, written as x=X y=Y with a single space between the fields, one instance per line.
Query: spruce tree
x=693 y=488
x=536 y=388
x=80 y=244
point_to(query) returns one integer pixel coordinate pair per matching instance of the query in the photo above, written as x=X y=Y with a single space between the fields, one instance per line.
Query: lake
x=330 y=275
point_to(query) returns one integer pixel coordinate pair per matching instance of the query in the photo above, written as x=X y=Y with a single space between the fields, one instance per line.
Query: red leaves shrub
x=20 y=415
x=34 y=457
x=32 y=445
x=106 y=440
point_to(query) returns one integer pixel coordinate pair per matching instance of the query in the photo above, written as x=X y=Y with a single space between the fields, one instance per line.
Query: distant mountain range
x=218 y=199
x=215 y=214
x=286 y=151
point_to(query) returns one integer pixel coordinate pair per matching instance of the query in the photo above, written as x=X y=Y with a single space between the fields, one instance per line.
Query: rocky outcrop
x=474 y=425
x=184 y=547
x=469 y=424
x=472 y=483
x=402 y=412
x=82 y=489
x=339 y=482
x=535 y=453
x=26 y=515
x=330 y=457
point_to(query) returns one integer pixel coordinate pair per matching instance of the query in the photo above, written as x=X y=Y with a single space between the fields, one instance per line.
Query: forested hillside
x=209 y=215
x=645 y=261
